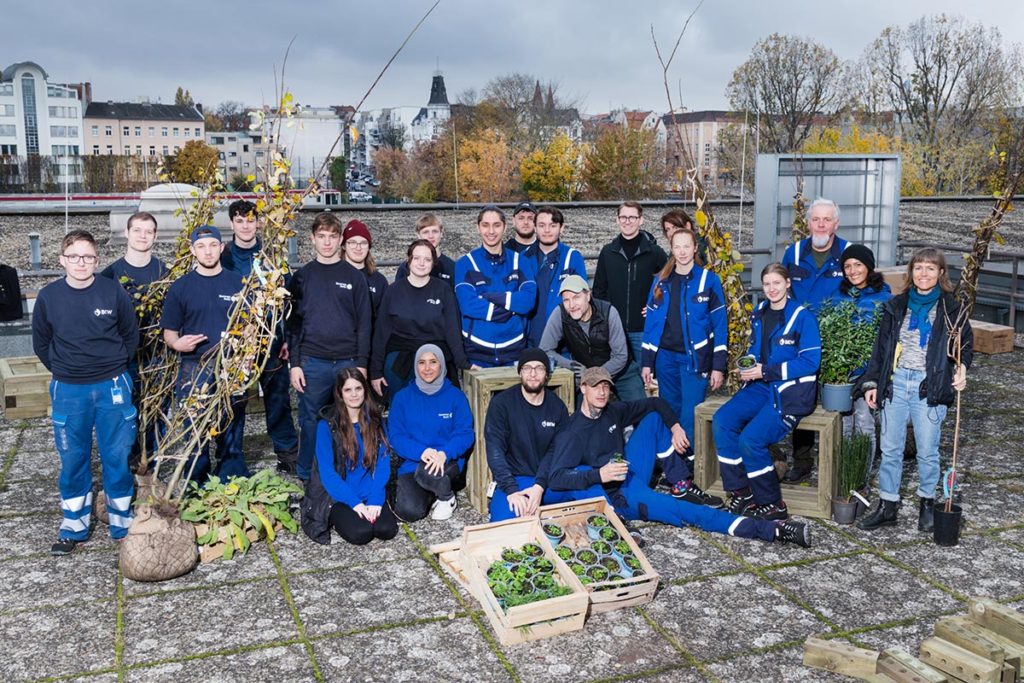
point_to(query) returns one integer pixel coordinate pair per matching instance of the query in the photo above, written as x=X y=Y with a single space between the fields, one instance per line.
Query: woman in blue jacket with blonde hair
x=779 y=389
x=685 y=345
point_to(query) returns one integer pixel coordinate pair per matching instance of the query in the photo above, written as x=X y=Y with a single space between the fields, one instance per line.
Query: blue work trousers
x=500 y=510
x=230 y=456
x=320 y=374
x=684 y=389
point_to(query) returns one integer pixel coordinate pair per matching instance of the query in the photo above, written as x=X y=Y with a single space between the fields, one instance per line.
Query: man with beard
x=524 y=240
x=520 y=432
x=815 y=271
x=556 y=262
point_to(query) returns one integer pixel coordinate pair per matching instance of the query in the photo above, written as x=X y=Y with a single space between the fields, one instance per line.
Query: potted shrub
x=601 y=547
x=853 y=465
x=564 y=552
x=555 y=533
x=847 y=338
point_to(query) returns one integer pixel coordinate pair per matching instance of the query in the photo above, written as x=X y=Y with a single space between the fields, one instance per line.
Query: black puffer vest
x=593 y=349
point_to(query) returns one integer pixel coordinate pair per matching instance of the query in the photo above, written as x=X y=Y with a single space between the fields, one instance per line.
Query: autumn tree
x=338 y=173
x=396 y=172
x=624 y=163
x=196 y=163
x=915 y=178
x=553 y=174
x=183 y=98
x=488 y=167
x=792 y=83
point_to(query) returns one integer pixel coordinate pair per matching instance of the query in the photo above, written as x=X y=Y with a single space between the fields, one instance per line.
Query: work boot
x=792 y=531
x=926 y=518
x=771 y=511
x=799 y=472
x=883 y=515
x=691 y=493
x=740 y=502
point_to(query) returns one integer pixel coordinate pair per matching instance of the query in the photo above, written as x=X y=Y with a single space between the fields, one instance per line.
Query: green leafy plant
x=228 y=511
x=564 y=552
x=532 y=550
x=598 y=573
x=601 y=547
x=622 y=548
x=853 y=467
x=847 y=338
x=586 y=556
x=512 y=555
x=631 y=561
x=611 y=564
x=597 y=521
x=746 y=362
x=609 y=534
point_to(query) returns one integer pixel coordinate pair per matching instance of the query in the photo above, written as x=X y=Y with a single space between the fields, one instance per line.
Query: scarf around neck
x=920 y=305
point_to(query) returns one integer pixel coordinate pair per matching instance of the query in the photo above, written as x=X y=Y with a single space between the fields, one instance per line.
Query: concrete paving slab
x=1013 y=536
x=725 y=615
x=255 y=564
x=907 y=637
x=615 y=644
x=53 y=581
x=30 y=496
x=991 y=504
x=976 y=566
x=272 y=665
x=298 y=553
x=784 y=665
x=683 y=553
x=192 y=622
x=349 y=599
x=449 y=650
x=27 y=534
x=56 y=642
x=863 y=590
x=681 y=674
x=825 y=542
x=40 y=464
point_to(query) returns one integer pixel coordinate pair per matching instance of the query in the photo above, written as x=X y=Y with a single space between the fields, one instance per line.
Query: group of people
x=355 y=348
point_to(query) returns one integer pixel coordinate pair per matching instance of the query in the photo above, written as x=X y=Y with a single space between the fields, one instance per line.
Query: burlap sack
x=144 y=488
x=159 y=546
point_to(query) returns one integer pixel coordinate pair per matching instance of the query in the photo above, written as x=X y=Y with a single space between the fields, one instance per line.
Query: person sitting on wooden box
x=351 y=468
x=780 y=387
x=520 y=434
x=588 y=462
x=430 y=426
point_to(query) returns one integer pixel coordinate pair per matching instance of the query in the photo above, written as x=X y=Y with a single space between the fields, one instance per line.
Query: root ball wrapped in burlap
x=159 y=545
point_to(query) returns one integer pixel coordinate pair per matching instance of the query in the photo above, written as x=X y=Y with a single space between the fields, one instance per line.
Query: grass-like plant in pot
x=853 y=470
x=847 y=338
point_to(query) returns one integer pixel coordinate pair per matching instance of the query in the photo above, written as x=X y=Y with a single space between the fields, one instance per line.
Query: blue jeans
x=906 y=407
x=499 y=508
x=320 y=375
x=277 y=402
x=744 y=428
x=230 y=456
x=684 y=389
x=77 y=409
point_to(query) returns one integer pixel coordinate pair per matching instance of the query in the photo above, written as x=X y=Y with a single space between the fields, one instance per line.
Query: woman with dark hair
x=867 y=289
x=780 y=387
x=913 y=375
x=351 y=468
x=686 y=345
x=416 y=310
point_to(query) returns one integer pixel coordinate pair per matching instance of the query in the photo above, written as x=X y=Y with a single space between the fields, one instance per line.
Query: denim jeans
x=683 y=388
x=320 y=374
x=906 y=407
x=629 y=386
x=77 y=409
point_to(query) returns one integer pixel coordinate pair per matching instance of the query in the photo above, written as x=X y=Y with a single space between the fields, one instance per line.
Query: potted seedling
x=564 y=552
x=586 y=556
x=555 y=533
x=578 y=568
x=543 y=565
x=853 y=466
x=544 y=582
x=622 y=548
x=512 y=556
x=597 y=574
x=594 y=525
x=601 y=547
x=611 y=564
x=847 y=339
x=631 y=562
x=949 y=516
x=609 y=534
x=746 y=362
x=532 y=550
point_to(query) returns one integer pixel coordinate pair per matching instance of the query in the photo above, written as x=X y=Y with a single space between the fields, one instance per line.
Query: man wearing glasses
x=625 y=271
x=84 y=331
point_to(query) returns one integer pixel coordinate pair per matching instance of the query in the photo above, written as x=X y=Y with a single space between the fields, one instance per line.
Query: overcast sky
x=598 y=51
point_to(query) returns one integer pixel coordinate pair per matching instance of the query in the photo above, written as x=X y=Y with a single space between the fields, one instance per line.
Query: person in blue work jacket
x=430 y=426
x=555 y=262
x=778 y=390
x=497 y=291
x=686 y=344
x=351 y=469
x=585 y=465
x=85 y=332
x=238 y=256
x=815 y=270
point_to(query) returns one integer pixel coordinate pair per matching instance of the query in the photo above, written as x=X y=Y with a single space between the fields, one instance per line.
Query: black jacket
x=627 y=282
x=937 y=386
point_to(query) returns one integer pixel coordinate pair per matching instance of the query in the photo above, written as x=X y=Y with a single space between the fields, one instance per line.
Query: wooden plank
x=902 y=666
x=958 y=662
x=999 y=618
x=879 y=678
x=951 y=630
x=839 y=657
x=1013 y=651
x=1009 y=674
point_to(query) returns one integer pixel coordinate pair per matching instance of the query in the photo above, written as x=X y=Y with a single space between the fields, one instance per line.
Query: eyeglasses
x=357 y=243
x=533 y=369
x=90 y=259
x=629 y=219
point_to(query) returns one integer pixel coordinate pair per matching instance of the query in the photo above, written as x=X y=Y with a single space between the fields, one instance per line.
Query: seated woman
x=867 y=289
x=431 y=427
x=912 y=374
x=351 y=468
x=416 y=310
x=778 y=390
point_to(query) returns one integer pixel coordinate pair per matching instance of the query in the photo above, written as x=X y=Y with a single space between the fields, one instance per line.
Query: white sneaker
x=443 y=509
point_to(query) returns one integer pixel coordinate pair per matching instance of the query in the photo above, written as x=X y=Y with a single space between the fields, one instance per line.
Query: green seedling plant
x=564 y=552
x=601 y=547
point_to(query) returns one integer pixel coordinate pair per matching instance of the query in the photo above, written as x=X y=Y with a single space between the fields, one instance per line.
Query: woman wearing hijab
x=912 y=374
x=430 y=427
x=351 y=468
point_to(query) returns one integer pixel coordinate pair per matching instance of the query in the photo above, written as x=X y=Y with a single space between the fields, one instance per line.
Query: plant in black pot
x=853 y=467
x=949 y=517
x=847 y=338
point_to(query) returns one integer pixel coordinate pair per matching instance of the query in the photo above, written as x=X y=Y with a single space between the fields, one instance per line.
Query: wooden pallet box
x=991 y=338
x=481 y=545
x=25 y=386
x=607 y=595
x=479 y=387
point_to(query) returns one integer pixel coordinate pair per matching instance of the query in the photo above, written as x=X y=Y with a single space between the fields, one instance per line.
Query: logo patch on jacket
x=702 y=298
x=788 y=340
x=445 y=416
x=344 y=285
x=103 y=311
x=436 y=302
x=547 y=423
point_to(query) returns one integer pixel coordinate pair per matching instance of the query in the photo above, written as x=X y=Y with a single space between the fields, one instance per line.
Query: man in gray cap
x=592 y=332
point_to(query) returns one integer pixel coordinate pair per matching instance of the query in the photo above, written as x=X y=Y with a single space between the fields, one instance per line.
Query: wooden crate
x=480 y=386
x=607 y=595
x=991 y=338
x=805 y=501
x=894 y=276
x=481 y=545
x=25 y=387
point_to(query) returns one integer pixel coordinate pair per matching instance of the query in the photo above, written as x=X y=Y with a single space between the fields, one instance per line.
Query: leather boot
x=883 y=515
x=926 y=520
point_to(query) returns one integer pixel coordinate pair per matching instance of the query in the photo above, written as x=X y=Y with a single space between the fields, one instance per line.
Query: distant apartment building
x=699 y=132
x=141 y=129
x=632 y=119
x=308 y=138
x=239 y=152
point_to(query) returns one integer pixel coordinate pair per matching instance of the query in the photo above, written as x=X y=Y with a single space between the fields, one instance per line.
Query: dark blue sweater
x=589 y=442
x=84 y=336
x=444 y=270
x=135 y=280
x=418 y=422
x=521 y=437
x=357 y=485
x=330 y=315
x=239 y=259
x=201 y=304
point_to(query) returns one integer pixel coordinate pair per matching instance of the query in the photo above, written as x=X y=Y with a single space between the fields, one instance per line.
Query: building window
x=6 y=110
x=198 y=134
x=73 y=150
x=232 y=154
x=152 y=150
x=187 y=131
x=6 y=88
x=28 y=104
x=175 y=132
x=138 y=131
x=58 y=150
x=177 y=149
x=95 y=131
x=217 y=139
x=128 y=150
x=163 y=131
x=166 y=152
x=9 y=131
x=245 y=148
x=110 y=149
x=707 y=162
x=138 y=150
x=8 y=149
x=152 y=131
x=707 y=147
x=72 y=131
x=108 y=130
x=95 y=150
x=126 y=131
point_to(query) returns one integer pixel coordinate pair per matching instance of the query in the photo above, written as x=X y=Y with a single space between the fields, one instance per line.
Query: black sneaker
x=797 y=474
x=792 y=531
x=739 y=504
x=772 y=511
x=64 y=546
x=691 y=493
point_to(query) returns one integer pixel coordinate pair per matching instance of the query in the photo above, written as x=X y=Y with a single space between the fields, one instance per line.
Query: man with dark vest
x=591 y=330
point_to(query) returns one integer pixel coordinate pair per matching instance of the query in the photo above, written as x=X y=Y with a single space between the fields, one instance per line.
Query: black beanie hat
x=533 y=354
x=860 y=252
